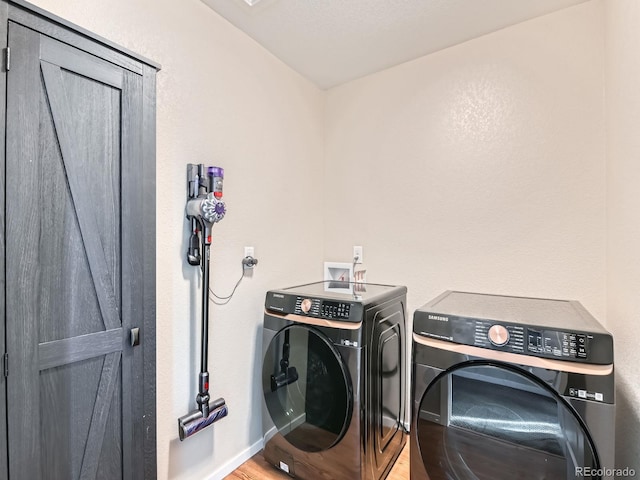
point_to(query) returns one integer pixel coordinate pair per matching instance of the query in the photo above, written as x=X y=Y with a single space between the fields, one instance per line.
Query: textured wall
x=623 y=201
x=222 y=99
x=480 y=167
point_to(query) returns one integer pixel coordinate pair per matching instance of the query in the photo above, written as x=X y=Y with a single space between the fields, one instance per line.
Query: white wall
x=623 y=203
x=223 y=100
x=479 y=168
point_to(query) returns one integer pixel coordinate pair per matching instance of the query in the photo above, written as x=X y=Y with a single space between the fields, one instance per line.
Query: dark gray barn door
x=73 y=293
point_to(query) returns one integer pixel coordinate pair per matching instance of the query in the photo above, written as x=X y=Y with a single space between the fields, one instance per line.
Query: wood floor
x=257 y=469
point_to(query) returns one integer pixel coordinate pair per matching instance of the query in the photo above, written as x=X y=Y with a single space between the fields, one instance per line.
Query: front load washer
x=333 y=380
x=510 y=387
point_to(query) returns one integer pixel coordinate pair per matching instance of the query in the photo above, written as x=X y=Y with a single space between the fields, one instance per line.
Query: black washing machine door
x=487 y=421
x=307 y=388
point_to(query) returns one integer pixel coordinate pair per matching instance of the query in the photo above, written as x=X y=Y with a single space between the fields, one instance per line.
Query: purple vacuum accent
x=220 y=208
x=216 y=172
x=216 y=177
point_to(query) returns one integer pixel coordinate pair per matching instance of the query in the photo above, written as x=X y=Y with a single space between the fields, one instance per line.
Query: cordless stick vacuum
x=204 y=208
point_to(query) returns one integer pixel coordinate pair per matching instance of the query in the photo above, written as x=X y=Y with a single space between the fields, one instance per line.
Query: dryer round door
x=483 y=421
x=307 y=388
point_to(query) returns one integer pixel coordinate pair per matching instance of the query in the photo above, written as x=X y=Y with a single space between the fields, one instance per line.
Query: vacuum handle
x=205 y=306
x=202 y=399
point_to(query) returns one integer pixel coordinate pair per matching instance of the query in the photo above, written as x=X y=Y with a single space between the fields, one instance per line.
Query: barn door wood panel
x=73 y=257
x=4 y=469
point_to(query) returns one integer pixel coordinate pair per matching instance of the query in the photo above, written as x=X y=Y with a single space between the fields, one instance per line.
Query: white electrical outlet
x=248 y=252
x=357 y=254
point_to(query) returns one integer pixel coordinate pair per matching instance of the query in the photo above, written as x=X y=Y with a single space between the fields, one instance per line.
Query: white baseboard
x=236 y=461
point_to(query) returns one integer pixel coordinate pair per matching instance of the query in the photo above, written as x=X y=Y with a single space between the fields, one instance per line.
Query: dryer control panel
x=558 y=329
x=536 y=341
x=578 y=346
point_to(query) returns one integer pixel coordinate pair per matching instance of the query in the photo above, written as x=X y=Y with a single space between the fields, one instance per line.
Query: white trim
x=236 y=461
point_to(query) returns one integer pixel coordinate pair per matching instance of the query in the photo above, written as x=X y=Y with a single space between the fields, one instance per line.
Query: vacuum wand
x=204 y=208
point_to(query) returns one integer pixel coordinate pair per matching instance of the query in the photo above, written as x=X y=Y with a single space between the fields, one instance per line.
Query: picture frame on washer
x=338 y=276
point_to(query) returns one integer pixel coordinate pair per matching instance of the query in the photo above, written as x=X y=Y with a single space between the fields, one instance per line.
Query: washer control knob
x=498 y=335
x=305 y=305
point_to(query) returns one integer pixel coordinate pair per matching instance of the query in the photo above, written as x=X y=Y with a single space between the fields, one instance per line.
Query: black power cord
x=247 y=262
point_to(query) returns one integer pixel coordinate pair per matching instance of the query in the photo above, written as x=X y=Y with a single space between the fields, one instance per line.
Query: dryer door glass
x=306 y=388
x=483 y=422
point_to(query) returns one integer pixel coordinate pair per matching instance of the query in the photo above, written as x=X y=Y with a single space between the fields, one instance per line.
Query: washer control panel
x=328 y=309
x=325 y=308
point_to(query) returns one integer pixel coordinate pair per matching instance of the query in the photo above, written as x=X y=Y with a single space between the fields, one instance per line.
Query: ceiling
x=333 y=41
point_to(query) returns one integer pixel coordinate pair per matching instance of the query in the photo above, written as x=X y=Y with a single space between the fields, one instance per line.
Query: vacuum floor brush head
x=194 y=421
